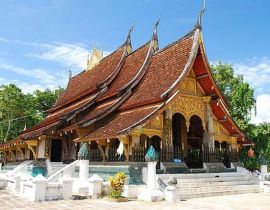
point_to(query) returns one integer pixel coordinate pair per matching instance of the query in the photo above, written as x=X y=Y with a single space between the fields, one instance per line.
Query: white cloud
x=263 y=109
x=74 y=55
x=65 y=54
x=42 y=78
x=256 y=72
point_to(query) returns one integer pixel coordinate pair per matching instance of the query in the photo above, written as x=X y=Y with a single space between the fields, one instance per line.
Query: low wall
x=54 y=191
x=134 y=171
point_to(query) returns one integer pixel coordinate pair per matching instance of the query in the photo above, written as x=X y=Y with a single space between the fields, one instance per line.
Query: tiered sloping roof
x=127 y=88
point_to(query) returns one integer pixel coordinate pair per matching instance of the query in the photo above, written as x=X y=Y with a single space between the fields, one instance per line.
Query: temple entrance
x=179 y=131
x=56 y=150
x=31 y=156
x=217 y=145
x=226 y=157
x=194 y=141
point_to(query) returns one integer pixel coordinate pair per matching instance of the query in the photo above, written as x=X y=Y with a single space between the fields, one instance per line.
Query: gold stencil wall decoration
x=188 y=106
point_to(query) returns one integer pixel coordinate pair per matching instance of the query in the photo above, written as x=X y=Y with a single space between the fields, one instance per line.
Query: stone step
x=58 y=167
x=218 y=188
x=200 y=175
x=216 y=179
x=218 y=193
x=211 y=184
x=57 y=163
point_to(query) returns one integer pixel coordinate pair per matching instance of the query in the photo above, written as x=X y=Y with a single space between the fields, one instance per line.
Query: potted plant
x=116 y=187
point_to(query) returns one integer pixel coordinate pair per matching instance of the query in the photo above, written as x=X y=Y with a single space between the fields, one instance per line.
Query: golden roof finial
x=94 y=58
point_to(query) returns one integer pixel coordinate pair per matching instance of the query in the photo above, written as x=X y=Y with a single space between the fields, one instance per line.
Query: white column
x=84 y=169
x=39 y=188
x=67 y=188
x=41 y=149
x=151 y=193
x=151 y=176
x=95 y=186
x=263 y=171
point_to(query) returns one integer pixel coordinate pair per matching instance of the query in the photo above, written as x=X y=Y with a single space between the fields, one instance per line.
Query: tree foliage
x=260 y=136
x=18 y=109
x=237 y=92
x=241 y=101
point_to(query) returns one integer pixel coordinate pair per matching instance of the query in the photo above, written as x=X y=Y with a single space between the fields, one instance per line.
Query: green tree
x=260 y=135
x=237 y=92
x=18 y=110
x=44 y=100
x=14 y=104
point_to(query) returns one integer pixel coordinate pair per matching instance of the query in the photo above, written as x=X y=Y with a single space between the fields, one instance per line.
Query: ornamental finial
x=155 y=30
x=69 y=73
x=155 y=36
x=199 y=21
x=128 y=40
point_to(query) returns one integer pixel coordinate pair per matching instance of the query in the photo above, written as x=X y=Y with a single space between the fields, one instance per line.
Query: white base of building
x=151 y=195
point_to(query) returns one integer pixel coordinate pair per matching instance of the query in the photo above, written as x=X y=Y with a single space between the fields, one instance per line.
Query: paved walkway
x=254 y=201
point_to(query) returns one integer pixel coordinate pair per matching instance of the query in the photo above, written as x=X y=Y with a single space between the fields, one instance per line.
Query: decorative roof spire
x=94 y=58
x=155 y=36
x=69 y=73
x=128 y=40
x=199 y=20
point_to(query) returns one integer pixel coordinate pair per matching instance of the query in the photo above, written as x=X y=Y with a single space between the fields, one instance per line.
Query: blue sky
x=39 y=39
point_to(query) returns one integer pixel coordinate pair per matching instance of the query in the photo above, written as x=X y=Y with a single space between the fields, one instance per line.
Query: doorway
x=195 y=140
x=56 y=150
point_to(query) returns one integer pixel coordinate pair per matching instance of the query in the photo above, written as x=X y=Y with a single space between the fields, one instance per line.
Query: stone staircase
x=56 y=166
x=212 y=184
x=10 y=166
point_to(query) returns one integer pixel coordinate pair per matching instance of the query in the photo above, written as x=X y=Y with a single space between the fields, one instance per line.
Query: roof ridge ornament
x=128 y=40
x=199 y=20
x=69 y=73
x=155 y=36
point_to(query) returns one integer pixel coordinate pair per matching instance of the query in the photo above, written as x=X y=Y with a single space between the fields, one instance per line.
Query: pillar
x=233 y=141
x=151 y=176
x=183 y=135
x=211 y=139
x=67 y=188
x=263 y=169
x=95 y=186
x=84 y=169
x=151 y=193
x=167 y=129
x=39 y=188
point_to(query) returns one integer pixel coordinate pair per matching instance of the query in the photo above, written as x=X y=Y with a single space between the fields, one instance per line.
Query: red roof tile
x=128 y=71
x=86 y=82
x=164 y=69
x=120 y=122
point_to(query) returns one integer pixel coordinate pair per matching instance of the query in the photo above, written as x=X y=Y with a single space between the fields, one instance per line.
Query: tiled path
x=257 y=201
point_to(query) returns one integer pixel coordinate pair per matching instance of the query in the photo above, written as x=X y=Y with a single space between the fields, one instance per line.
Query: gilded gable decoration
x=188 y=106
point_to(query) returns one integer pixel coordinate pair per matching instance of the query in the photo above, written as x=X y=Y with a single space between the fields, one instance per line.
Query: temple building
x=164 y=97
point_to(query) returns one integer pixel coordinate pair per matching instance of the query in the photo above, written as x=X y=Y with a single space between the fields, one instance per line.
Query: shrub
x=117 y=185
